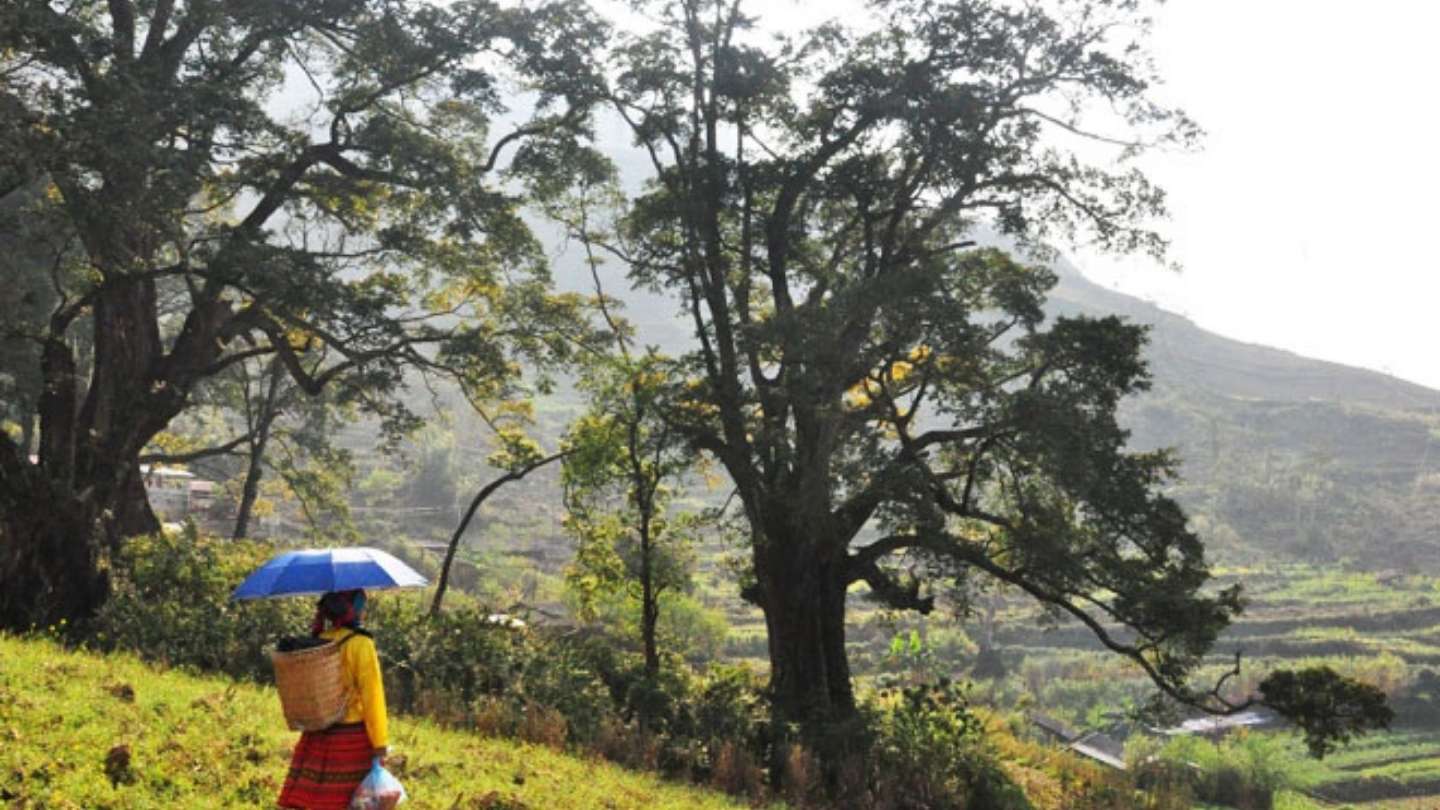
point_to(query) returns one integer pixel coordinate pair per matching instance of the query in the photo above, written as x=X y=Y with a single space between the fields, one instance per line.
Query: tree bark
x=250 y=492
x=644 y=488
x=803 y=598
x=49 y=554
x=61 y=519
x=649 y=609
x=27 y=432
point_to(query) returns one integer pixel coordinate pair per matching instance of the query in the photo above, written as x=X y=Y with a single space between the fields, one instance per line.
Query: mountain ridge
x=1182 y=352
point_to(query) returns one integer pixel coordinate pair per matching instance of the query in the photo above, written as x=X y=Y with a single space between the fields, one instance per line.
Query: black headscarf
x=340 y=609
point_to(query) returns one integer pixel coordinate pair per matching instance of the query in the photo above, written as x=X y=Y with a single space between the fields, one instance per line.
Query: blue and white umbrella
x=322 y=570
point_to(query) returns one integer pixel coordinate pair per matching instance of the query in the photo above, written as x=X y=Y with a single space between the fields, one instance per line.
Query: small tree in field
x=624 y=466
x=885 y=394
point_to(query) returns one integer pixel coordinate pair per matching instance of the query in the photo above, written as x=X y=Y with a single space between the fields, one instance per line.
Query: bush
x=729 y=704
x=171 y=603
x=442 y=665
x=925 y=752
x=1245 y=770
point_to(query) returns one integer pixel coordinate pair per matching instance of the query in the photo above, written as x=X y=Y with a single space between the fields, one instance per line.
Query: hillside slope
x=1282 y=454
x=1183 y=354
x=205 y=742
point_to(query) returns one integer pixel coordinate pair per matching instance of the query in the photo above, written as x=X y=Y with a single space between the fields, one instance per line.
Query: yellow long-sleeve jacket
x=361 y=666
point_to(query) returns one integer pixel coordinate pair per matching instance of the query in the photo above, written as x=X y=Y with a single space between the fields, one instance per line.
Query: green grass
x=204 y=742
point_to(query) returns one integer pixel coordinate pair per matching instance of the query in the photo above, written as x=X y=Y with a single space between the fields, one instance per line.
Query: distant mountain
x=1282 y=455
x=1182 y=353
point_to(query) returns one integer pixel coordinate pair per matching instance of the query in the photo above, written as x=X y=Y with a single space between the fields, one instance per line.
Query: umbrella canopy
x=321 y=570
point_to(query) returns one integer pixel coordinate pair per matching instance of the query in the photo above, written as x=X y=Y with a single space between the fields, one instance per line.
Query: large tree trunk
x=133 y=514
x=49 y=555
x=125 y=406
x=803 y=597
x=61 y=518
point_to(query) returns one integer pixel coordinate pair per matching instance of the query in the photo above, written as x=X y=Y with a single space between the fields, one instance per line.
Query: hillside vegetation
x=1282 y=456
x=79 y=730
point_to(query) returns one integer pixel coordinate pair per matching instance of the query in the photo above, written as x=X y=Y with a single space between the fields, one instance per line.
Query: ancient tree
x=322 y=183
x=886 y=394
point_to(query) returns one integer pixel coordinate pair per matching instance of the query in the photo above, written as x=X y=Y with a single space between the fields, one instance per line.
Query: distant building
x=1219 y=726
x=1101 y=748
x=1052 y=729
x=176 y=494
x=1092 y=745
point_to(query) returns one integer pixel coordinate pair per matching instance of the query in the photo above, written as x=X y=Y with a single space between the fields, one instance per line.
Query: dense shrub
x=442 y=664
x=171 y=603
x=1244 y=770
x=928 y=753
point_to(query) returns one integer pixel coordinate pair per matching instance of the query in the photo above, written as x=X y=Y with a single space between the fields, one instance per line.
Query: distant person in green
x=329 y=765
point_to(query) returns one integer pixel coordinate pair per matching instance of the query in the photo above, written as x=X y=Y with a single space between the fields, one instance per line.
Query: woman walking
x=329 y=765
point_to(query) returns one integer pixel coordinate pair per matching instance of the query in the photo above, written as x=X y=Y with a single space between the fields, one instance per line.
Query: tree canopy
x=332 y=184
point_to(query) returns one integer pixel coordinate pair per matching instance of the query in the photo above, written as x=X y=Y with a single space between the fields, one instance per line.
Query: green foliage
x=377 y=234
x=685 y=628
x=927 y=749
x=861 y=364
x=171 y=603
x=33 y=240
x=433 y=470
x=577 y=691
x=515 y=450
x=1245 y=770
x=1329 y=708
x=928 y=726
x=625 y=461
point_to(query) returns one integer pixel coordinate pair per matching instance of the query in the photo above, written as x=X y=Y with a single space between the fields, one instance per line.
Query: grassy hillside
x=205 y=742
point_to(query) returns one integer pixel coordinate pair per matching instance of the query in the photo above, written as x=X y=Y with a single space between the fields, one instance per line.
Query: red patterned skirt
x=327 y=767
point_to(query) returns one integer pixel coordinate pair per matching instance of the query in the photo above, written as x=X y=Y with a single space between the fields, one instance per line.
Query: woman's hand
x=380 y=755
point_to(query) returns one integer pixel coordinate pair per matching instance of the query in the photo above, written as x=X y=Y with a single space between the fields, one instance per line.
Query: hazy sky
x=1309 y=221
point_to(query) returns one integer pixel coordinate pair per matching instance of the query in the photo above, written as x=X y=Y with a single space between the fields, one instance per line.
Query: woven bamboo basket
x=312 y=686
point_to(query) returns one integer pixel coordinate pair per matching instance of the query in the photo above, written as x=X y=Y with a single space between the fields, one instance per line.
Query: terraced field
x=1381 y=627
x=1402 y=766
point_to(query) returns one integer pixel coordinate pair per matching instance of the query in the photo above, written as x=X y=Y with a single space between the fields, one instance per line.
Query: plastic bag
x=380 y=790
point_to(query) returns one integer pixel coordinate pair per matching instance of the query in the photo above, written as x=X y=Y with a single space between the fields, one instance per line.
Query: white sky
x=1309 y=220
